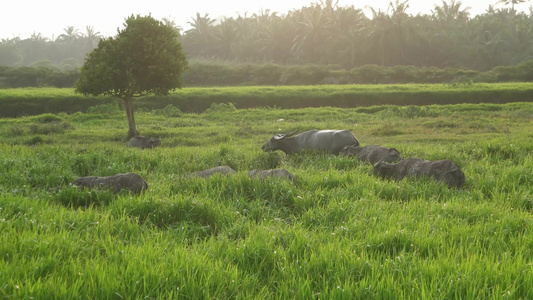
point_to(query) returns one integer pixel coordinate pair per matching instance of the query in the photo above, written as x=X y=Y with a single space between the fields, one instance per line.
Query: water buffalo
x=442 y=170
x=143 y=142
x=130 y=181
x=331 y=141
x=372 y=153
x=275 y=173
x=222 y=170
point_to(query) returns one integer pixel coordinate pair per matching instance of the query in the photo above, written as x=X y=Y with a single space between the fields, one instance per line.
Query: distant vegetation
x=319 y=43
x=204 y=73
x=34 y=101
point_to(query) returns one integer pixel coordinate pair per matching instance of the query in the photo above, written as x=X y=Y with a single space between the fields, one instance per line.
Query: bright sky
x=21 y=18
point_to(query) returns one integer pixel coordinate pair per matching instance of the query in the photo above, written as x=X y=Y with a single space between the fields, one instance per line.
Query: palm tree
x=312 y=33
x=389 y=32
x=201 y=25
x=520 y=41
x=246 y=44
x=400 y=26
x=201 y=36
x=275 y=36
x=512 y=2
x=92 y=37
x=380 y=34
x=71 y=33
x=172 y=23
x=33 y=49
x=451 y=12
x=38 y=37
x=227 y=36
x=446 y=37
x=346 y=26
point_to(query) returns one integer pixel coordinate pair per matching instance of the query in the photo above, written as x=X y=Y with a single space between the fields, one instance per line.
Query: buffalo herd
x=387 y=162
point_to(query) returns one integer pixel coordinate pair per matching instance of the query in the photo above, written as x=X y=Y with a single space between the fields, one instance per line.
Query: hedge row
x=205 y=73
x=16 y=77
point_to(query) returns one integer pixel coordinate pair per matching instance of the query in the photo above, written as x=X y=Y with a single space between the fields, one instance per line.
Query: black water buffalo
x=442 y=170
x=275 y=173
x=130 y=181
x=372 y=153
x=331 y=141
x=143 y=142
x=222 y=170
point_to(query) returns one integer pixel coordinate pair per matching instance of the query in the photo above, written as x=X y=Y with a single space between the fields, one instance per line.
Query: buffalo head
x=276 y=142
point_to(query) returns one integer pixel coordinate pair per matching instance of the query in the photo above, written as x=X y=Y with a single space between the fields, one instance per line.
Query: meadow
x=340 y=233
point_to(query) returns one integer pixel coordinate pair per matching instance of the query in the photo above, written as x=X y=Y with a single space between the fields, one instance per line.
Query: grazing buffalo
x=331 y=141
x=143 y=142
x=372 y=153
x=130 y=181
x=275 y=173
x=222 y=170
x=442 y=170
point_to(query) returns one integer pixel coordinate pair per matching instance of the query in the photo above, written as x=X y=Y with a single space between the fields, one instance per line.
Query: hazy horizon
x=51 y=18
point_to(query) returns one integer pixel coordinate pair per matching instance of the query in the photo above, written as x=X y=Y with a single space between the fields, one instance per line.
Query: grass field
x=341 y=233
x=324 y=91
x=34 y=101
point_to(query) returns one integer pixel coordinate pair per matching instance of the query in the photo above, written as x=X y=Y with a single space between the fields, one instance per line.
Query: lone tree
x=144 y=58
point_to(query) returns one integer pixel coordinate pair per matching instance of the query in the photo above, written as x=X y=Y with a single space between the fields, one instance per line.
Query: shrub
x=269 y=74
x=526 y=69
x=48 y=118
x=220 y=107
x=169 y=111
x=305 y=74
x=405 y=74
x=15 y=130
x=105 y=109
x=369 y=74
x=34 y=141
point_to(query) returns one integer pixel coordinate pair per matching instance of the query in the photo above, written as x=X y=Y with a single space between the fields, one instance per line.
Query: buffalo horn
x=291 y=133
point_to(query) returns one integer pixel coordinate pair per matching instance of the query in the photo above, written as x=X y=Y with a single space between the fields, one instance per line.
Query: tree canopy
x=144 y=58
x=325 y=32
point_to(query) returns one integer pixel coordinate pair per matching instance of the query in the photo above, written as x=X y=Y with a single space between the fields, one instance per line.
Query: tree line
x=326 y=33
x=66 y=52
x=323 y=33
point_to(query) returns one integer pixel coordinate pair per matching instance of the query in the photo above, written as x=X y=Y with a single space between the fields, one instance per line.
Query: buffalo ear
x=279 y=136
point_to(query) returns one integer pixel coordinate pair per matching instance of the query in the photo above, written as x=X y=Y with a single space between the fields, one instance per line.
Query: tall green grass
x=340 y=233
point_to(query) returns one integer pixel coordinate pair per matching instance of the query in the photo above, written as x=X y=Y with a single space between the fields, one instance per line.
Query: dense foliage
x=203 y=73
x=341 y=233
x=326 y=33
x=15 y=77
x=145 y=58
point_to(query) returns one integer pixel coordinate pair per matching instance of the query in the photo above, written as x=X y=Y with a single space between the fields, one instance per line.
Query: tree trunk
x=131 y=118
